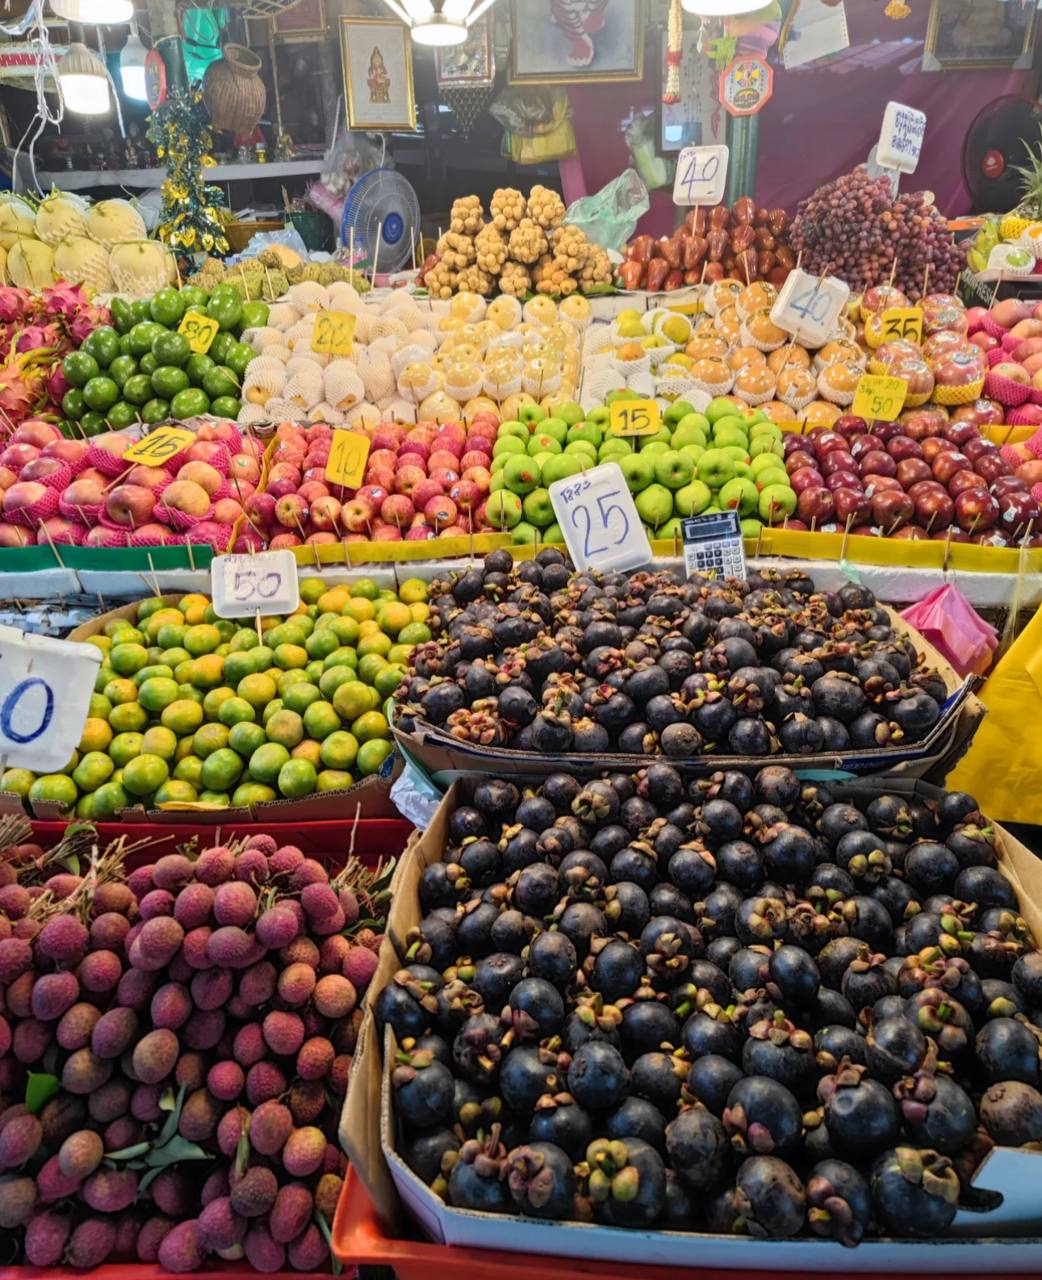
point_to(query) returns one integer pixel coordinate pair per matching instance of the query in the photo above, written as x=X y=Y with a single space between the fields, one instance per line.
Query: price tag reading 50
x=334 y=333
x=701 y=175
x=599 y=520
x=245 y=586
x=634 y=417
x=200 y=331
x=35 y=731
x=879 y=399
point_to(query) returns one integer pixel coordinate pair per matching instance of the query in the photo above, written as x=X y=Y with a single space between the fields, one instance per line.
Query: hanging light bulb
x=94 y=12
x=132 y=66
x=83 y=82
x=721 y=8
x=439 y=22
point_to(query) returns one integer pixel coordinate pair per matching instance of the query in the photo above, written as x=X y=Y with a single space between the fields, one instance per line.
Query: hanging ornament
x=674 y=53
x=897 y=9
x=468 y=101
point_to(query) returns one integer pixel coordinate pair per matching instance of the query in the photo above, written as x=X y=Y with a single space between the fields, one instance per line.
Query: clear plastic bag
x=610 y=217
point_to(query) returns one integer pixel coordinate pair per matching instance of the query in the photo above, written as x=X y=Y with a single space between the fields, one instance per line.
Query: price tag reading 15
x=264 y=584
x=701 y=175
x=599 y=520
x=634 y=417
x=160 y=446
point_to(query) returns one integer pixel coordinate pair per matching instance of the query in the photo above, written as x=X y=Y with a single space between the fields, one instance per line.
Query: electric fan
x=995 y=145
x=383 y=212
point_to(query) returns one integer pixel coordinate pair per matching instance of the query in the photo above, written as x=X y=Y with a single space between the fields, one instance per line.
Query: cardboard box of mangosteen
x=1007 y=1239
x=931 y=758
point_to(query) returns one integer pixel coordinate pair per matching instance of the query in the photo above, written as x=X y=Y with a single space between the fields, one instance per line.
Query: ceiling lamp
x=132 y=66
x=439 y=22
x=721 y=8
x=94 y=12
x=83 y=82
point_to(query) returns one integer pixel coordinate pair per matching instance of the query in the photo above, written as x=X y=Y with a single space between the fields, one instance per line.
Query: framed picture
x=562 y=41
x=308 y=18
x=963 y=34
x=377 y=56
x=471 y=62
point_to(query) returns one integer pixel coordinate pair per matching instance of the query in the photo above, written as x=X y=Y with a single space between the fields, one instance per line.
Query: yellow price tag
x=347 y=458
x=634 y=417
x=903 y=322
x=200 y=331
x=334 y=333
x=879 y=398
x=160 y=446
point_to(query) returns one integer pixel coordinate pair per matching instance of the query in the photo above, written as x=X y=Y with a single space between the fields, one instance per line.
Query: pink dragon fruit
x=57 y=385
x=13 y=303
x=84 y=324
x=39 y=337
x=23 y=387
x=64 y=300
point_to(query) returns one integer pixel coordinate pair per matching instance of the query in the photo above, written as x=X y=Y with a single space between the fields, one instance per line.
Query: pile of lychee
x=174 y=1045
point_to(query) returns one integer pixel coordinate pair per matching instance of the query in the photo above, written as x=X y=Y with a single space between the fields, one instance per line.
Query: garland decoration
x=674 y=53
x=191 y=218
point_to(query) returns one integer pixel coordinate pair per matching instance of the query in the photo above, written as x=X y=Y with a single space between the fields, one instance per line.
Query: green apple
x=751 y=527
x=711 y=510
x=720 y=407
x=612 y=450
x=655 y=449
x=600 y=416
x=765 y=444
x=587 y=432
x=541 y=459
x=556 y=427
x=654 y=504
x=559 y=467
x=742 y=469
x=521 y=474
x=670 y=531
x=497 y=480
x=553 y=534
x=663 y=434
x=531 y=413
x=696 y=419
x=581 y=449
x=693 y=499
x=726 y=434
x=570 y=412
x=638 y=470
x=513 y=428
x=736 y=451
x=776 y=502
x=739 y=495
x=692 y=451
x=677 y=411
x=499 y=463
x=715 y=467
x=689 y=433
x=771 y=475
x=508 y=444
x=503 y=509
x=763 y=462
x=524 y=534
x=674 y=470
x=541 y=443
x=622 y=393
x=765 y=428
x=538 y=509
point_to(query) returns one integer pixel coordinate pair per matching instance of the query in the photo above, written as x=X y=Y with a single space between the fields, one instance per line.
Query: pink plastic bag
x=947 y=619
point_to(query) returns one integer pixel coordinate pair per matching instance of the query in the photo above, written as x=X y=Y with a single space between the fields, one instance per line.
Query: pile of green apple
x=728 y=458
x=140 y=369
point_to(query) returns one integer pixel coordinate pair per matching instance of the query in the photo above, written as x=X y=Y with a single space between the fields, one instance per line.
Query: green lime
x=102 y=344
x=93 y=769
x=101 y=393
x=155 y=411
x=159 y=741
x=246 y=737
x=225 y=407
x=128 y=718
x=197 y=367
x=79 y=367
x=190 y=403
x=215 y=799
x=254 y=315
x=93 y=424
x=171 y=348
x=122 y=368
x=148 y=363
x=296 y=778
x=300 y=696
x=220 y=346
x=124 y=747
x=194 y=296
x=215 y=700
x=122 y=316
x=221 y=770
x=167 y=307
x=157 y=693
x=17 y=781
x=182 y=716
x=267 y=760
x=370 y=725
x=125 y=659
x=143 y=334
x=143 y=774
x=334 y=780
x=226 y=309
x=285 y=727
x=139 y=310
x=239 y=357
x=188 y=769
x=73 y=403
x=167 y=381
x=137 y=389
x=220 y=381
x=123 y=415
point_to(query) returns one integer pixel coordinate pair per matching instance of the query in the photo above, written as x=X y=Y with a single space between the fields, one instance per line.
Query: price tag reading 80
x=245 y=586
x=200 y=331
x=34 y=672
x=701 y=175
x=599 y=520
x=809 y=307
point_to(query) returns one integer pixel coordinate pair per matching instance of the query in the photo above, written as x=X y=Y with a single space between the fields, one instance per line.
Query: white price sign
x=35 y=671
x=599 y=520
x=809 y=307
x=245 y=586
x=901 y=137
x=701 y=175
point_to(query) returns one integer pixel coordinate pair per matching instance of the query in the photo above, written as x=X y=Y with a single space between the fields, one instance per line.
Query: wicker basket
x=233 y=91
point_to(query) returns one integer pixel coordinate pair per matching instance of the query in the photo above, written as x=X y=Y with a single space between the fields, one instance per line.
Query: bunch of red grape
x=853 y=228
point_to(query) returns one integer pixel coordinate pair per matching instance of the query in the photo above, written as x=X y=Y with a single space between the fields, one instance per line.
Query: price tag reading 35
x=245 y=586
x=600 y=523
x=160 y=446
x=701 y=175
x=35 y=671
x=634 y=417
x=903 y=322
x=200 y=331
x=334 y=333
x=879 y=399
x=809 y=307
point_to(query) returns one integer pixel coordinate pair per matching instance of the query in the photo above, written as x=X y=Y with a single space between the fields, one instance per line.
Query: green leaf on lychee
x=39 y=1090
x=168 y=1099
x=174 y=1151
x=170 y=1124
x=323 y=1226
x=242 y=1151
x=129 y=1153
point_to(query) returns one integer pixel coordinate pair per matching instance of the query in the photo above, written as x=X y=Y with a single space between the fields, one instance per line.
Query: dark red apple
x=992 y=467
x=959 y=432
x=950 y=535
x=837 y=460
x=1018 y=513
x=884 y=431
x=912 y=470
x=795 y=526
x=932 y=446
x=877 y=463
x=826 y=441
x=844 y=480
x=934 y=414
x=977 y=448
x=946 y=464
x=1008 y=484
x=976 y=510
x=984 y=412
x=792 y=442
x=799 y=458
x=891 y=509
x=934 y=509
x=876 y=484
x=963 y=480
x=926 y=486
x=815 y=505
x=867 y=531
x=805 y=478
x=909 y=532
x=849 y=425
x=904 y=447
x=990 y=538
x=852 y=506
x=863 y=444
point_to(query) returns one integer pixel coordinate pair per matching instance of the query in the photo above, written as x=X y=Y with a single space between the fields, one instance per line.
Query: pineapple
x=1029 y=209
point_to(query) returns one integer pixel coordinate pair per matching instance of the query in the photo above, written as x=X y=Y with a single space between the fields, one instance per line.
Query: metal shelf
x=84 y=179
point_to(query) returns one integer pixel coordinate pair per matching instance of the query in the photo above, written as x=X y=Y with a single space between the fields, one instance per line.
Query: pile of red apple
x=421 y=482
x=81 y=492
x=926 y=476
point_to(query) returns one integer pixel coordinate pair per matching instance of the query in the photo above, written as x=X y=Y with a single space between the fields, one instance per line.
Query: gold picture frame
x=1011 y=29
x=537 y=55
x=376 y=54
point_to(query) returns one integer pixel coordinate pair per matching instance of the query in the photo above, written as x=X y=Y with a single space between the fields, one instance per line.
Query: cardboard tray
x=366 y=1133
x=933 y=757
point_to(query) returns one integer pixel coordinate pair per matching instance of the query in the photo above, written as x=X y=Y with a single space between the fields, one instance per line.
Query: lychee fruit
x=195 y=948
x=359 y=967
x=136 y=988
x=121 y=1133
x=204 y=1029
x=212 y=988
x=264 y=1080
x=139 y=882
x=349 y=905
x=232 y=947
x=111 y=896
x=80 y=1154
x=157 y=902
x=307 y=1100
x=60 y=1116
x=314 y=1058
x=334 y=996
x=31 y=1040
x=190 y=1071
x=17 y=1200
x=248 y=1047
x=91 y=1243
x=276 y=927
x=100 y=972
x=226 y=1080
x=114 y=1033
x=333 y=924
x=19 y=1141
x=174 y=1194
x=171 y=1006
x=215 y=1186
x=257 y=984
x=151 y=1236
x=270 y=1126
x=262 y=1252
x=182 y=1249
x=332 y=953
x=309 y=1252
x=109 y=930
x=156 y=945
x=284 y=861
x=283 y=1032
x=254 y=1193
x=291 y=1212
x=53 y=993
x=302 y=950
x=84 y=1072
x=220 y=1226
x=45 y=1238
x=234 y=903
x=200 y=1116
x=308 y=872
x=144 y=1103
x=76 y=1024
x=215 y=866
x=15 y=901
x=19 y=994
x=52 y=1185
x=229 y=1130
x=193 y=906
x=109 y=1102
x=327 y=1194
x=265 y=843
x=251 y=867
x=304 y=1151
x=296 y=983
x=63 y=940
x=172 y=871
x=110 y=1190
x=155 y=1055
x=319 y=901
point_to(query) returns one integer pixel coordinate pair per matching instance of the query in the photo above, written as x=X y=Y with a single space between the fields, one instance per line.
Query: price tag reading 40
x=634 y=417
x=159 y=446
x=808 y=307
x=348 y=455
x=334 y=333
x=903 y=322
x=879 y=399
x=35 y=671
x=245 y=586
x=200 y=331
x=600 y=523
x=701 y=175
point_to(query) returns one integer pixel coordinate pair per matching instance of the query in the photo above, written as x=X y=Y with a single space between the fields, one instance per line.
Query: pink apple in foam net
x=312 y=489
x=87 y=490
x=465 y=494
x=226 y=511
x=34 y=431
x=7 y=477
x=245 y=467
x=153 y=532
x=16 y=456
x=202 y=474
x=211 y=451
x=130 y=505
x=407 y=478
x=187 y=496
x=148 y=477
x=397 y=509
x=40 y=468
x=58 y=529
x=22 y=494
x=14 y=535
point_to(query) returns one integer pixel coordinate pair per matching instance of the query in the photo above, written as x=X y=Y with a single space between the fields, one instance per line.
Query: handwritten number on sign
x=247 y=585
x=11 y=702
x=581 y=515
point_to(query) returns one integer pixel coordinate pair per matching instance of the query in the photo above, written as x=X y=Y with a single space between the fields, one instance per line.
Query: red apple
x=357 y=515
x=877 y=463
x=325 y=514
x=844 y=480
x=283 y=541
x=374 y=494
x=849 y=425
x=420 y=533
x=815 y=505
x=805 y=478
x=291 y=511
x=991 y=538
x=312 y=489
x=466 y=495
x=386 y=533
x=260 y=508
x=934 y=509
x=16 y=456
x=406 y=480
x=36 y=432
x=963 y=480
x=933 y=446
x=992 y=467
x=281 y=488
x=1008 y=484
x=226 y=511
x=852 y=506
x=1018 y=513
x=959 y=432
x=900 y=447
x=481 y=476
x=947 y=463
x=837 y=460
x=799 y=458
x=411 y=450
x=427 y=488
x=58 y=529
x=891 y=509
x=877 y=484
x=130 y=505
x=397 y=509
x=976 y=510
x=984 y=340
x=22 y=495
x=41 y=468
x=911 y=470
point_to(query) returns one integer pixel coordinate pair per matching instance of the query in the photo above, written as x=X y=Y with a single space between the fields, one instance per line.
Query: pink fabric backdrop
x=822 y=119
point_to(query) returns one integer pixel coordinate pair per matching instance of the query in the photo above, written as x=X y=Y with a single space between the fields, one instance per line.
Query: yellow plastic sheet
x=1003 y=767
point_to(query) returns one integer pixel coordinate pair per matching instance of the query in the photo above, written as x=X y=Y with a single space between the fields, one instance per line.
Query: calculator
x=713 y=545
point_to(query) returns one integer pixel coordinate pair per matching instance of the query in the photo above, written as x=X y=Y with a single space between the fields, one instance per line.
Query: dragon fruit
x=38 y=337
x=23 y=385
x=13 y=303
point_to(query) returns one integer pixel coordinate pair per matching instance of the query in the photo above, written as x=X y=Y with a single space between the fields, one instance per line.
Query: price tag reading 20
x=701 y=175
x=809 y=307
x=599 y=520
x=264 y=584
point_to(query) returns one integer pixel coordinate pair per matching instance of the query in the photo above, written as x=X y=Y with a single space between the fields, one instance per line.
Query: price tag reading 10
x=35 y=671
x=701 y=175
x=634 y=417
x=245 y=586
x=809 y=307
x=200 y=331
x=600 y=523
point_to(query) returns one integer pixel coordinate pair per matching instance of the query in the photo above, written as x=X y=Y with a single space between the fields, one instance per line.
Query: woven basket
x=233 y=91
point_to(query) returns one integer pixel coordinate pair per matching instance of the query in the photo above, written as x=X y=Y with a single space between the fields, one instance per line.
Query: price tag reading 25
x=264 y=584
x=634 y=417
x=599 y=520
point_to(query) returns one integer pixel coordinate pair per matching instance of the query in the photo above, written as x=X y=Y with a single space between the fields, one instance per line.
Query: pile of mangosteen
x=539 y=658
x=737 y=1005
